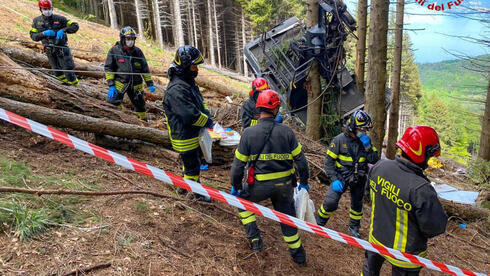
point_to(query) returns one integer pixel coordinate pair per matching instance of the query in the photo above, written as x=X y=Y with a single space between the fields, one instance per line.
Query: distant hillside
x=453 y=78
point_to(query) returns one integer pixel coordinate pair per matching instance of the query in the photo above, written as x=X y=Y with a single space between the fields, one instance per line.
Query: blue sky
x=430 y=45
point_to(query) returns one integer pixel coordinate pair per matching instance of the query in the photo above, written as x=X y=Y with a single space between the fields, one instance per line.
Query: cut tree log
x=464 y=211
x=80 y=122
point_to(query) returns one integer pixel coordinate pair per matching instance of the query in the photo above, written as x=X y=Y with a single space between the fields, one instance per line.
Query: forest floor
x=144 y=235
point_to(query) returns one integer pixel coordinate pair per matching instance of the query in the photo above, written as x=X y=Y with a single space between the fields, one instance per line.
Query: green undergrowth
x=27 y=215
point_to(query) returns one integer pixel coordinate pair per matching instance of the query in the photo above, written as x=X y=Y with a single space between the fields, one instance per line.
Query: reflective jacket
x=118 y=60
x=250 y=114
x=186 y=114
x=340 y=162
x=275 y=162
x=55 y=23
x=405 y=209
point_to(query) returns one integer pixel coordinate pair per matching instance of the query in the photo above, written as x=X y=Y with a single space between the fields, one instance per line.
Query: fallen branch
x=81 y=271
x=173 y=248
x=470 y=243
x=85 y=193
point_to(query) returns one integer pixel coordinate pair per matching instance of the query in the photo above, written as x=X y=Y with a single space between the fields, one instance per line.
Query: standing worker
x=270 y=149
x=186 y=112
x=123 y=58
x=405 y=210
x=51 y=29
x=250 y=114
x=346 y=165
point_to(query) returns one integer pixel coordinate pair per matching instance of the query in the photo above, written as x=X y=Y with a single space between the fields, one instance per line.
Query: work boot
x=202 y=198
x=256 y=244
x=354 y=231
x=299 y=256
x=320 y=221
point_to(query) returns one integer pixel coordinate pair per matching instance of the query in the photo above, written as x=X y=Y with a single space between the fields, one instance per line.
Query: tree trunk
x=121 y=21
x=397 y=66
x=179 y=32
x=158 y=23
x=244 y=41
x=60 y=118
x=112 y=14
x=313 y=81
x=361 y=43
x=217 y=33
x=484 y=151
x=194 y=24
x=238 y=53
x=210 y=32
x=139 y=19
x=375 y=91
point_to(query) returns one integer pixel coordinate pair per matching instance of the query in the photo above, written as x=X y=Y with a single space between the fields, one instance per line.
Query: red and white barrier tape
x=222 y=196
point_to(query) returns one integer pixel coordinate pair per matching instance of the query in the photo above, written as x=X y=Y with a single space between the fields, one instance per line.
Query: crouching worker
x=270 y=148
x=52 y=30
x=123 y=58
x=405 y=210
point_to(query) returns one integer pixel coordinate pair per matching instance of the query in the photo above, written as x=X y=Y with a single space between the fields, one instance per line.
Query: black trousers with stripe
x=374 y=262
x=281 y=194
x=136 y=97
x=61 y=59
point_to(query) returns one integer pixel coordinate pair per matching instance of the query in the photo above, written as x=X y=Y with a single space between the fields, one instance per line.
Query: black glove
x=209 y=123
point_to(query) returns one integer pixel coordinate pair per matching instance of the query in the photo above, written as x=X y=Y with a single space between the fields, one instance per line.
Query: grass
x=28 y=215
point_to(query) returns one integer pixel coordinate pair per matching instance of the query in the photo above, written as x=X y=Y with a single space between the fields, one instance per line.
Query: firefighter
x=346 y=165
x=270 y=148
x=52 y=30
x=249 y=112
x=405 y=210
x=122 y=58
x=186 y=112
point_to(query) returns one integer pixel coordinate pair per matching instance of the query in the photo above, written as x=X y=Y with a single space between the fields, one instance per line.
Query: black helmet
x=359 y=119
x=188 y=55
x=127 y=32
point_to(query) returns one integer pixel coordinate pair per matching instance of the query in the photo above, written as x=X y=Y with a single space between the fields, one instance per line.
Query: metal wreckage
x=284 y=56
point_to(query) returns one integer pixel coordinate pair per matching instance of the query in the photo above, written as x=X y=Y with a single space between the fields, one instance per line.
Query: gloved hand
x=59 y=34
x=279 y=118
x=152 y=88
x=366 y=141
x=112 y=92
x=49 y=33
x=337 y=186
x=209 y=123
x=234 y=192
x=204 y=167
x=301 y=186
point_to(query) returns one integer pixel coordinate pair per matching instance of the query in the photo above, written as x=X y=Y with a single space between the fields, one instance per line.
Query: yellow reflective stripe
x=205 y=105
x=191 y=177
x=241 y=157
x=373 y=197
x=72 y=82
x=295 y=245
x=345 y=158
x=293 y=241
x=292 y=238
x=247 y=217
x=401 y=227
x=138 y=87
x=141 y=115
x=393 y=261
x=276 y=175
x=331 y=154
x=362 y=159
x=338 y=164
x=183 y=145
x=34 y=30
x=374 y=149
x=355 y=215
x=275 y=156
x=297 y=150
x=61 y=77
x=68 y=24
x=324 y=214
x=201 y=121
x=109 y=76
x=119 y=85
x=253 y=122
x=147 y=77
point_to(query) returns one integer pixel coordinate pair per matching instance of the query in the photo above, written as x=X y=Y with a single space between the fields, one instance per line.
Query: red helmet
x=45 y=4
x=259 y=84
x=420 y=143
x=268 y=99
